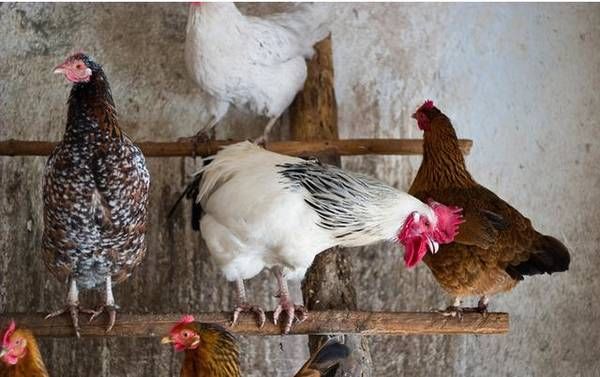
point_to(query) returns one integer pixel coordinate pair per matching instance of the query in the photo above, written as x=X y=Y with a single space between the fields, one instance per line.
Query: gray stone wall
x=521 y=80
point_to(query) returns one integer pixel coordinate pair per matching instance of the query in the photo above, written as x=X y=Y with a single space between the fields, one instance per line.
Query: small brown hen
x=496 y=245
x=20 y=355
x=211 y=351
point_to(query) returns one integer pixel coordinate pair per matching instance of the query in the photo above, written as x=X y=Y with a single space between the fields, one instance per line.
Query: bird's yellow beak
x=166 y=340
x=3 y=352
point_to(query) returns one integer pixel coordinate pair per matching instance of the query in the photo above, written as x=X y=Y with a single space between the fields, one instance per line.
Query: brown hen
x=211 y=351
x=496 y=245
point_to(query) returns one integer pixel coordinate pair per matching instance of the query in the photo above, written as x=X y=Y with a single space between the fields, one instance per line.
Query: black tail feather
x=191 y=192
x=328 y=358
x=549 y=256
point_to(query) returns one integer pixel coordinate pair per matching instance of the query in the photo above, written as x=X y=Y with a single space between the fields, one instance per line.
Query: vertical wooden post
x=327 y=284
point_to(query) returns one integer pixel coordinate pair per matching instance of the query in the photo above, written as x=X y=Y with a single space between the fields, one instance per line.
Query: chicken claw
x=455 y=310
x=298 y=312
x=244 y=307
x=73 y=310
x=111 y=310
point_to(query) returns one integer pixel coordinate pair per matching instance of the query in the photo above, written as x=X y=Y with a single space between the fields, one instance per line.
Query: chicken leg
x=109 y=306
x=455 y=310
x=244 y=307
x=204 y=135
x=286 y=305
x=72 y=307
x=262 y=141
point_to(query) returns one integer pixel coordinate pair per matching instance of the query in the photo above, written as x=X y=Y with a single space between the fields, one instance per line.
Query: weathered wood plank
x=307 y=147
x=319 y=322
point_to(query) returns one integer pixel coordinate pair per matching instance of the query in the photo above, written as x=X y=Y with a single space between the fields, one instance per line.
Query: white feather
x=250 y=62
x=255 y=218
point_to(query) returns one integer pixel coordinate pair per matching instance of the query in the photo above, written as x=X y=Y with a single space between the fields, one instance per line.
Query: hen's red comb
x=427 y=105
x=188 y=318
x=11 y=329
x=185 y=320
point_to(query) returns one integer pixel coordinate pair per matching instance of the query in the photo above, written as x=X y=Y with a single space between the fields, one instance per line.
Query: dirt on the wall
x=522 y=81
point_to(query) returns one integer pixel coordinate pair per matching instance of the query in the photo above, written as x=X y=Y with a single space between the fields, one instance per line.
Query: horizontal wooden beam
x=318 y=322
x=351 y=147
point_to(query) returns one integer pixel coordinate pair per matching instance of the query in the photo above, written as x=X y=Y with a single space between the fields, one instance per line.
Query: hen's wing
x=484 y=213
x=280 y=37
x=500 y=234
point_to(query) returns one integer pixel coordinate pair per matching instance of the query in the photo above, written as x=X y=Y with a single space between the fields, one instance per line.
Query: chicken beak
x=166 y=340
x=414 y=116
x=59 y=70
x=433 y=246
x=3 y=352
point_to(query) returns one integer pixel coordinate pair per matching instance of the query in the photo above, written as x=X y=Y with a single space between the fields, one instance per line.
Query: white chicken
x=263 y=209
x=250 y=62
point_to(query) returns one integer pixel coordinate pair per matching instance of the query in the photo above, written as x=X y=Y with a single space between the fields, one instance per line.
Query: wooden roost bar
x=318 y=322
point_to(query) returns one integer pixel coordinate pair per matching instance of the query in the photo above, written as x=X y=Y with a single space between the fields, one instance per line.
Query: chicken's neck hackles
x=92 y=109
x=443 y=163
x=29 y=362
x=357 y=209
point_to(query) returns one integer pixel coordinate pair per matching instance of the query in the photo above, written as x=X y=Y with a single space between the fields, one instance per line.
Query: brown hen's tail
x=548 y=255
x=325 y=362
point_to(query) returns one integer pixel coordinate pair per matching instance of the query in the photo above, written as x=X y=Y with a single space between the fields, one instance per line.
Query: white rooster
x=250 y=62
x=263 y=209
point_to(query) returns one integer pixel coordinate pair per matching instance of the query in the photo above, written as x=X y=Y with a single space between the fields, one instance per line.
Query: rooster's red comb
x=9 y=331
x=448 y=220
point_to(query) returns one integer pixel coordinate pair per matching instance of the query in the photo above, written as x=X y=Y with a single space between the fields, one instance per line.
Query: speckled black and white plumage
x=348 y=204
x=95 y=192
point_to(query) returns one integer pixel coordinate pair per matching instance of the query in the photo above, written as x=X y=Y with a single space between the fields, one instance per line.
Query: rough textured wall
x=521 y=80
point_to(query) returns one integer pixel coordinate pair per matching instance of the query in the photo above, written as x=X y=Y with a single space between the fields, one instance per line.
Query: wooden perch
x=318 y=322
x=352 y=147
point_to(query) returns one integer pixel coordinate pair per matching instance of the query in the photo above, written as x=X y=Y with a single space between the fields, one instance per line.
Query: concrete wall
x=521 y=80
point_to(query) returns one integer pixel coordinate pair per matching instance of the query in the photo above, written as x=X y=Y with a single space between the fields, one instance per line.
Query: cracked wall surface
x=521 y=80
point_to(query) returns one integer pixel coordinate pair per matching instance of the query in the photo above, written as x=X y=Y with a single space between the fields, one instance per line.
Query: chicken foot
x=262 y=141
x=72 y=307
x=286 y=305
x=244 y=307
x=204 y=135
x=109 y=306
x=455 y=310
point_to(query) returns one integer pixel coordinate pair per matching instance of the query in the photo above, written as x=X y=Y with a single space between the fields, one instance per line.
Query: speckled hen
x=95 y=194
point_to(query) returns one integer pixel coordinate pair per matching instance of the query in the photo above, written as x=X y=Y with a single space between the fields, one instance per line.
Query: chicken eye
x=79 y=66
x=185 y=334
